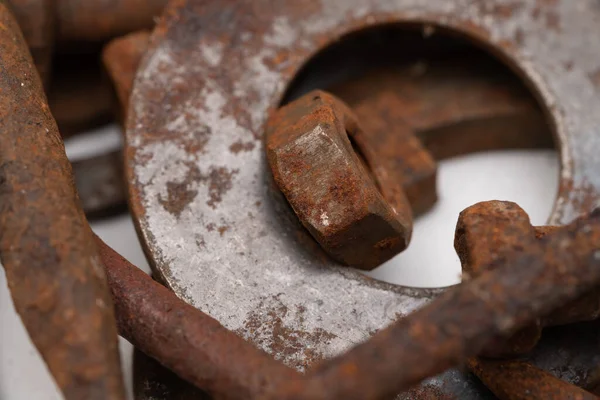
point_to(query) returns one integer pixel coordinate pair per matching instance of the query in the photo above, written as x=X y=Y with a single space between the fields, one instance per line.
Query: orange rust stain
x=240 y=146
x=265 y=326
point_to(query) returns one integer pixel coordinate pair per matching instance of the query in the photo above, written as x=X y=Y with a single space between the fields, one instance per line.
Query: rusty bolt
x=489 y=232
x=519 y=380
x=329 y=188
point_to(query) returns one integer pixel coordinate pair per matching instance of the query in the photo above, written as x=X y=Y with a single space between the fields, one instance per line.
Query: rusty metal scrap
x=456 y=105
x=98 y=20
x=199 y=187
x=121 y=58
x=487 y=233
x=358 y=220
x=52 y=267
x=37 y=21
x=519 y=380
x=381 y=117
x=463 y=321
x=195 y=162
x=432 y=339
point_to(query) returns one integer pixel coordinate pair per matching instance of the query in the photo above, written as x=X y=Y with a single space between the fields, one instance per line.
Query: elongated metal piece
x=519 y=380
x=487 y=233
x=52 y=266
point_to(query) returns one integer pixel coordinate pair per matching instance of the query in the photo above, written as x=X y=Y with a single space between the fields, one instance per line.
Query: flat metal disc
x=214 y=226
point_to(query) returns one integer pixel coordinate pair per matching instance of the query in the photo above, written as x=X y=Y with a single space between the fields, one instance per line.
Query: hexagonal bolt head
x=332 y=190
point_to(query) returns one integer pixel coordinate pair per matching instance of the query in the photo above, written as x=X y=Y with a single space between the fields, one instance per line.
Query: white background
x=529 y=178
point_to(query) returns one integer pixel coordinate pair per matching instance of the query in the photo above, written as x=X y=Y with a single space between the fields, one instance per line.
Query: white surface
x=529 y=178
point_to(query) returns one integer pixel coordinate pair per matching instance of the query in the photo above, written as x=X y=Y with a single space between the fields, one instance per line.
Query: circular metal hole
x=439 y=61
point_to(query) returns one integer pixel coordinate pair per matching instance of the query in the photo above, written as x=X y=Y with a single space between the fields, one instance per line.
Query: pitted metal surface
x=212 y=222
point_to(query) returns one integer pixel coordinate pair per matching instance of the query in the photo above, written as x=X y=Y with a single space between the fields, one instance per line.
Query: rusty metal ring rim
x=172 y=247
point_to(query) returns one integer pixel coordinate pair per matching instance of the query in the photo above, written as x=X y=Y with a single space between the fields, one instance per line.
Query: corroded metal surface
x=519 y=380
x=456 y=105
x=52 y=267
x=400 y=154
x=121 y=58
x=487 y=233
x=466 y=318
x=98 y=20
x=218 y=233
x=37 y=21
x=351 y=202
x=456 y=325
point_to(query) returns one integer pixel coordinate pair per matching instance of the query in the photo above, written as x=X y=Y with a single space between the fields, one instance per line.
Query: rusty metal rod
x=46 y=247
x=519 y=380
x=460 y=323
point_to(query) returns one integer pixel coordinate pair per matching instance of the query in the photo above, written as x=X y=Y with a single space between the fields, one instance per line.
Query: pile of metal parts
x=254 y=191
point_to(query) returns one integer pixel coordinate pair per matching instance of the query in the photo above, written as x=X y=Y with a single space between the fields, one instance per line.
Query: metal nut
x=329 y=188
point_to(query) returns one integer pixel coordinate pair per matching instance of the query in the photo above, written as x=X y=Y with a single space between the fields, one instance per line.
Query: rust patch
x=240 y=146
x=267 y=328
x=506 y=11
x=179 y=194
x=220 y=181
